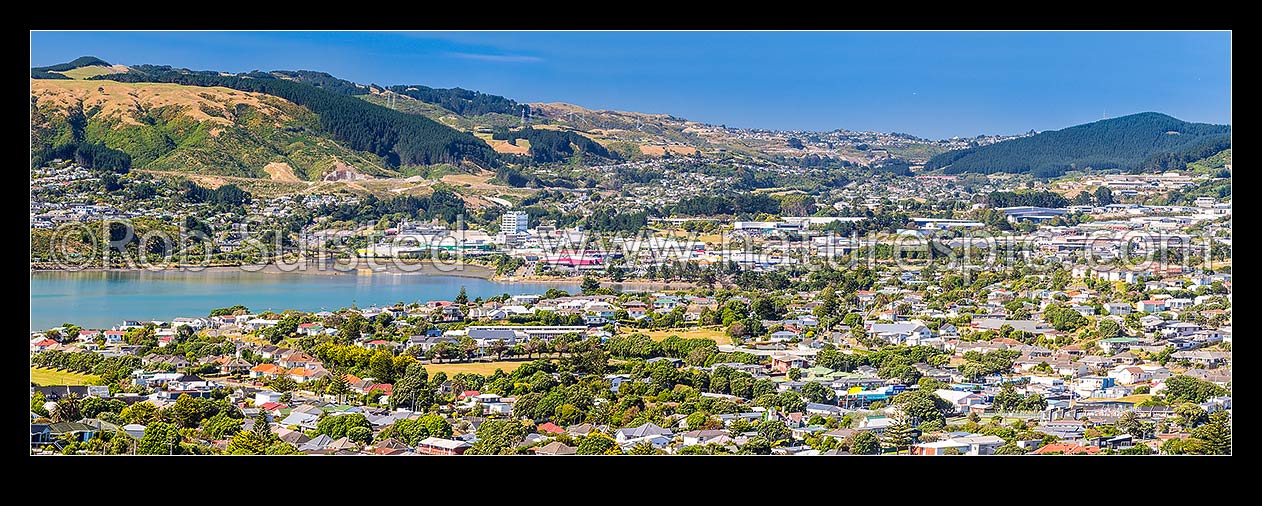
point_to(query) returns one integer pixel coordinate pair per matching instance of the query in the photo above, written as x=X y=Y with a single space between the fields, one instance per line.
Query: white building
x=513 y=225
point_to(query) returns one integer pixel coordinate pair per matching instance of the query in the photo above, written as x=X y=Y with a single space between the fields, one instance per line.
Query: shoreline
x=627 y=285
x=369 y=266
x=359 y=268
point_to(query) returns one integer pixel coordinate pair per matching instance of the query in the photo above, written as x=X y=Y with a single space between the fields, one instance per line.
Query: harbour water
x=103 y=299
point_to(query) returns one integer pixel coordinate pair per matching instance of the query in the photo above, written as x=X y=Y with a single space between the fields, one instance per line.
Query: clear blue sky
x=932 y=84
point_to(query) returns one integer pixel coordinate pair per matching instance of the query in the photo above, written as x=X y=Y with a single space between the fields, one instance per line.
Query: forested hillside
x=396 y=137
x=53 y=71
x=548 y=145
x=167 y=127
x=1145 y=141
x=461 y=101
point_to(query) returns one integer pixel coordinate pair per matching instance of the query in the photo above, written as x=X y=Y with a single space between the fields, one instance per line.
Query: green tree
x=221 y=426
x=1129 y=423
x=818 y=393
x=351 y=329
x=185 y=413
x=1216 y=434
x=498 y=347
x=498 y=437
x=1007 y=398
x=922 y=406
x=37 y=404
x=1190 y=415
x=899 y=435
x=143 y=413
x=361 y=435
x=160 y=438
x=283 y=384
x=1180 y=388
x=1107 y=328
x=642 y=448
x=852 y=319
x=598 y=443
x=862 y=443
x=338 y=386
x=1010 y=448
x=775 y=432
x=589 y=285
x=828 y=304
x=757 y=445
x=413 y=390
x=462 y=298
x=336 y=426
x=67 y=409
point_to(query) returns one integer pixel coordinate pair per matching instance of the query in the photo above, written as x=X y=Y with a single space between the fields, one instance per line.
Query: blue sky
x=932 y=84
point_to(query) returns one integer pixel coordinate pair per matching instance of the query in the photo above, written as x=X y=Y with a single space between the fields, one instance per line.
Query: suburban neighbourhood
x=292 y=262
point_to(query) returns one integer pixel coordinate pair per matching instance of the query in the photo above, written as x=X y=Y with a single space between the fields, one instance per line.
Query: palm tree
x=67 y=409
x=498 y=348
x=561 y=344
x=530 y=347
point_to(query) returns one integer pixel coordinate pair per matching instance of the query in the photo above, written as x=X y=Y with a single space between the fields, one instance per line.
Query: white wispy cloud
x=506 y=58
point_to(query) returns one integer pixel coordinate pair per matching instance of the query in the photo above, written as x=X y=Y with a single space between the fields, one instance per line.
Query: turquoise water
x=104 y=299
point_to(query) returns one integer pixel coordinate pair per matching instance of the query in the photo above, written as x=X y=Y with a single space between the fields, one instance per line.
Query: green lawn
x=1136 y=399
x=47 y=377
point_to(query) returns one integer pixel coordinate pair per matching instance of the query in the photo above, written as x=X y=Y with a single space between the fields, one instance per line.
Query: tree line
x=92 y=155
x=741 y=203
x=1037 y=199
x=461 y=101
x=547 y=146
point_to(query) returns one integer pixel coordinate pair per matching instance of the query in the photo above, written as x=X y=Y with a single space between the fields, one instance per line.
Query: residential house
x=1065 y=449
x=967 y=445
x=897 y=333
x=310 y=329
x=1118 y=308
x=303 y=375
x=782 y=363
x=646 y=430
x=555 y=448
x=266 y=371
x=635 y=309
x=441 y=446
x=234 y=366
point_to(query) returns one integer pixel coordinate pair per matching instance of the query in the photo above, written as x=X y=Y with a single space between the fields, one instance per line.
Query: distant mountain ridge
x=319 y=119
x=54 y=71
x=1141 y=141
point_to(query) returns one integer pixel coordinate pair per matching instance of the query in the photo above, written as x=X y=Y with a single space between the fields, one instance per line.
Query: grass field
x=1138 y=398
x=91 y=71
x=47 y=377
x=715 y=333
x=483 y=368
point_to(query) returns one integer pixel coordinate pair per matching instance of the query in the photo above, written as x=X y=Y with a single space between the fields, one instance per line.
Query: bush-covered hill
x=1145 y=141
x=396 y=137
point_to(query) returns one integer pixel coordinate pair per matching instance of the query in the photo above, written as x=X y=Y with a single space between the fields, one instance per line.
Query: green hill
x=201 y=130
x=397 y=138
x=1145 y=141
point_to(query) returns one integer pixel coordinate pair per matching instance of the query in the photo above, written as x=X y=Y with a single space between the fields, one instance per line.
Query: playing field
x=715 y=333
x=483 y=368
x=48 y=377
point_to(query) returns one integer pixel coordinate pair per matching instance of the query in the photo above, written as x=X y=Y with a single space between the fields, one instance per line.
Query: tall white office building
x=514 y=222
x=513 y=225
